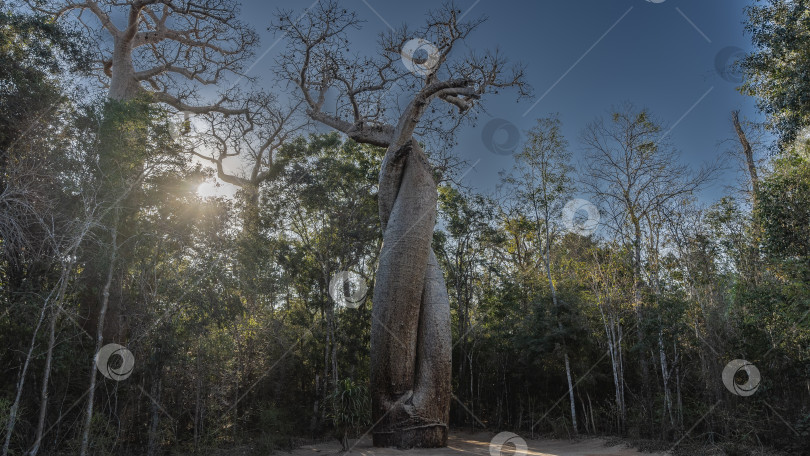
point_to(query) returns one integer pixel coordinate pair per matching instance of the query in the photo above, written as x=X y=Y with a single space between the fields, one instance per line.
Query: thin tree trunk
x=559 y=325
x=12 y=414
x=155 y=422
x=198 y=402
x=60 y=293
x=621 y=376
x=665 y=377
x=678 y=385
x=614 y=348
x=99 y=340
x=46 y=375
x=584 y=414
x=749 y=156
x=571 y=392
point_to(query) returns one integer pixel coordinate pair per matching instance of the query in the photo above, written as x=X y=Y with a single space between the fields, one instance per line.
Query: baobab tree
x=162 y=52
x=166 y=49
x=410 y=335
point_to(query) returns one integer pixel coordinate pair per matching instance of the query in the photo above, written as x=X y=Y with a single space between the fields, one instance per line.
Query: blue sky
x=582 y=58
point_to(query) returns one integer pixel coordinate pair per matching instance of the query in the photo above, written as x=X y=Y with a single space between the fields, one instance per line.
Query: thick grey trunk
x=637 y=285
x=410 y=333
x=123 y=85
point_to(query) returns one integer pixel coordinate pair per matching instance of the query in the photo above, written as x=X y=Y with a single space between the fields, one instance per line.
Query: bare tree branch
x=319 y=63
x=169 y=48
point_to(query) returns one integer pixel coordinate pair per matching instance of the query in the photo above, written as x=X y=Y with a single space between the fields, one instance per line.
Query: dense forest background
x=613 y=316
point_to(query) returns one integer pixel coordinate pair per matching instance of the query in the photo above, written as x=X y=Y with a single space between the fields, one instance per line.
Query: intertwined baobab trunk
x=410 y=335
x=410 y=332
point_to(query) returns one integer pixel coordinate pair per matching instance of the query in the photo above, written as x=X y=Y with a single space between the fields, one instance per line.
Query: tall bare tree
x=167 y=49
x=633 y=172
x=541 y=181
x=253 y=138
x=410 y=336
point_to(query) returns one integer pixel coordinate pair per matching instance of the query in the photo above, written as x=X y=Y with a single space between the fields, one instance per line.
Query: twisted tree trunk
x=410 y=333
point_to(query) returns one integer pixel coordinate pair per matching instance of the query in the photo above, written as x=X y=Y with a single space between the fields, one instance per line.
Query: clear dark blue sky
x=582 y=57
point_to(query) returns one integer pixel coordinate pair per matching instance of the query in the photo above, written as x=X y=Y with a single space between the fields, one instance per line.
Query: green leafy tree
x=542 y=181
x=776 y=72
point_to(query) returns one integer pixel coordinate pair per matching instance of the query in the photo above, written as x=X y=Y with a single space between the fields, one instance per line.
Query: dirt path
x=478 y=444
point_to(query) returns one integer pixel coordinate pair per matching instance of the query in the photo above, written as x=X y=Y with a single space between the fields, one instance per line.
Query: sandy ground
x=477 y=444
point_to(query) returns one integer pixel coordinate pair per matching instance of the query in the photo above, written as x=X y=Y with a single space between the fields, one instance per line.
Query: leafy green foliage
x=350 y=409
x=225 y=301
x=785 y=210
x=776 y=72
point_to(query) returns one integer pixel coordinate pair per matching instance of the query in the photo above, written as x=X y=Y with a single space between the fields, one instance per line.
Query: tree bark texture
x=410 y=333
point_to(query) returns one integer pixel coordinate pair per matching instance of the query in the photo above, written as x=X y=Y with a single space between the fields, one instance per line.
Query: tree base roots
x=430 y=436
